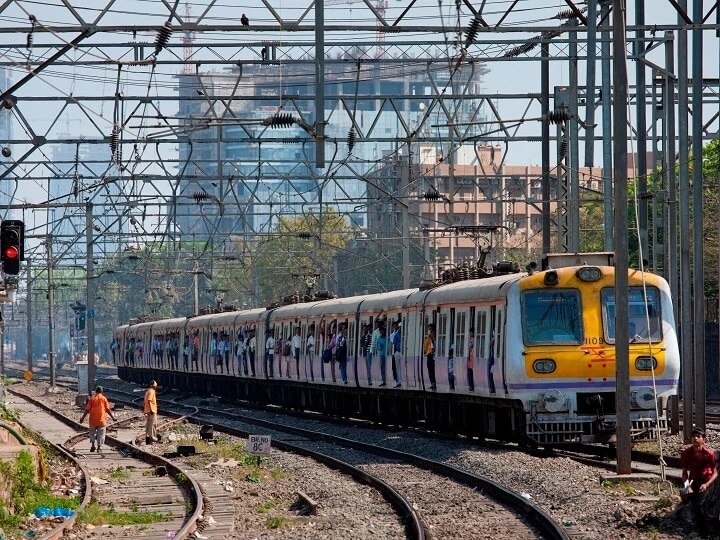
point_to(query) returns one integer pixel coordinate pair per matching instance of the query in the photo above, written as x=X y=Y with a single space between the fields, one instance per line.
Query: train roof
x=458 y=292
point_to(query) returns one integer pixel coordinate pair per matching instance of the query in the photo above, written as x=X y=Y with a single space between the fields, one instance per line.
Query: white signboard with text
x=259 y=445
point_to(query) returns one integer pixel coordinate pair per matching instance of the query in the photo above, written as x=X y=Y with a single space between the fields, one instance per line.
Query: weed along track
x=122 y=492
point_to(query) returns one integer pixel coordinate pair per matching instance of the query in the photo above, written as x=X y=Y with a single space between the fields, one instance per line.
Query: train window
x=460 y=324
x=351 y=335
x=481 y=332
x=552 y=317
x=639 y=312
x=441 y=339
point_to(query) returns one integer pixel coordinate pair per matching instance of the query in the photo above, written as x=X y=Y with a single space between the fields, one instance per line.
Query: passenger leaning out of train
x=150 y=411
x=429 y=352
x=296 y=346
x=366 y=348
x=270 y=353
x=310 y=351
x=699 y=470
x=341 y=352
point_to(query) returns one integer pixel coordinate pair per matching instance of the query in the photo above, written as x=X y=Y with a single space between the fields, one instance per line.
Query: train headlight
x=551 y=278
x=645 y=363
x=553 y=401
x=589 y=273
x=544 y=365
x=644 y=397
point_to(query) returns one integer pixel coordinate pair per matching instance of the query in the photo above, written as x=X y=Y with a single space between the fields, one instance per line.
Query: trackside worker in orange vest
x=151 y=413
x=97 y=405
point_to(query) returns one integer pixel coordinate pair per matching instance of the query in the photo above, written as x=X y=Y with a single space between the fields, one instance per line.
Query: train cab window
x=552 y=317
x=638 y=315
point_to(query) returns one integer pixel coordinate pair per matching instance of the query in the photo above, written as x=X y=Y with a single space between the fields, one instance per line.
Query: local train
x=527 y=356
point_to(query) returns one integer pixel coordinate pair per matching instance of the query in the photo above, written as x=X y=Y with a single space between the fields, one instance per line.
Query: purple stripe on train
x=586 y=384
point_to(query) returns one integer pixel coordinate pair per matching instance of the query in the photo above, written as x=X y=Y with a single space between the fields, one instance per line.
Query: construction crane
x=188 y=39
x=380 y=8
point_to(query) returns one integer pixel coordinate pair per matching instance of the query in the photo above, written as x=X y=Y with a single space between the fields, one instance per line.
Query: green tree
x=711 y=206
x=373 y=266
x=297 y=248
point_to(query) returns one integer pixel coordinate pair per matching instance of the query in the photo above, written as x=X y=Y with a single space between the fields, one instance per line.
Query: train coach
x=515 y=355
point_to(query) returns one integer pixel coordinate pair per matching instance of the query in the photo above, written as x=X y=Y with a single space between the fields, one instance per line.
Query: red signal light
x=12 y=253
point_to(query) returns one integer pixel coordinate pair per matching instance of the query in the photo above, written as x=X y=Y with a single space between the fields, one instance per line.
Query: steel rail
x=509 y=498
x=190 y=523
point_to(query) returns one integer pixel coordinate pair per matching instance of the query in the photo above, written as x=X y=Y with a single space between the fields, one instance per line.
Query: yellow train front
x=565 y=338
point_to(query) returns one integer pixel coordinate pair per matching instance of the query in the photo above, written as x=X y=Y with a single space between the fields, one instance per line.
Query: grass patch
x=274 y=522
x=8 y=414
x=94 y=514
x=23 y=494
x=278 y=473
x=119 y=474
x=267 y=506
x=207 y=452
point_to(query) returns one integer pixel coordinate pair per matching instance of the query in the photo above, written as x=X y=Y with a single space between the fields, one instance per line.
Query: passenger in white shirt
x=296 y=345
x=270 y=353
x=310 y=351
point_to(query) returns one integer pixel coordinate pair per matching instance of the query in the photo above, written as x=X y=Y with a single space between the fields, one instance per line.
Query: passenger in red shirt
x=97 y=405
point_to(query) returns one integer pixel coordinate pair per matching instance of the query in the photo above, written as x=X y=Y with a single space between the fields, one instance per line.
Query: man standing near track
x=150 y=411
x=96 y=406
x=699 y=467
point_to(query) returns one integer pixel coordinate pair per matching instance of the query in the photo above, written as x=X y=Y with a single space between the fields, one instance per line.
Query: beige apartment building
x=446 y=204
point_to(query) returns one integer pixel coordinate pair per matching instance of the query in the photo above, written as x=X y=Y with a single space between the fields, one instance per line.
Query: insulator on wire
x=472 y=30
x=280 y=120
x=569 y=13
x=563 y=149
x=163 y=36
x=551 y=34
x=558 y=116
x=29 y=42
x=431 y=195
x=351 y=138
x=201 y=196
x=115 y=142
x=565 y=14
x=304 y=235
x=520 y=49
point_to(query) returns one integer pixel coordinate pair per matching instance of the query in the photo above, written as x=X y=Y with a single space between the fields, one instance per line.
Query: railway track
x=592 y=455
x=406 y=474
x=401 y=477
x=168 y=495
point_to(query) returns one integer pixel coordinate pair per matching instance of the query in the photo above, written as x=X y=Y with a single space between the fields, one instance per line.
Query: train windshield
x=552 y=317
x=644 y=321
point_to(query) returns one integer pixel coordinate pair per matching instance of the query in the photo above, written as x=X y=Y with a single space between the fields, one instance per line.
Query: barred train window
x=441 y=338
x=481 y=335
x=552 y=317
x=460 y=318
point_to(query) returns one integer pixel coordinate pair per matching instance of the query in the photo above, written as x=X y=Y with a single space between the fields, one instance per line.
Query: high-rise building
x=78 y=167
x=239 y=170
